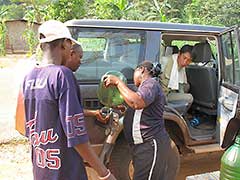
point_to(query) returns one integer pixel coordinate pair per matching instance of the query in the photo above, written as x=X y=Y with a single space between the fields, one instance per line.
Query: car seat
x=114 y=50
x=203 y=80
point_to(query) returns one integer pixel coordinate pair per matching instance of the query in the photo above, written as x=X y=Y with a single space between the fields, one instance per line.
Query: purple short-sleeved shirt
x=146 y=124
x=54 y=123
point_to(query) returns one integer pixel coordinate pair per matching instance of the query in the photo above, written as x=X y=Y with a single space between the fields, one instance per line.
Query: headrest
x=116 y=47
x=201 y=52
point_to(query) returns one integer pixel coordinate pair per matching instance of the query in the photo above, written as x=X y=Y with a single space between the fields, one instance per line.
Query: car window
x=227 y=52
x=231 y=57
x=236 y=58
x=108 y=49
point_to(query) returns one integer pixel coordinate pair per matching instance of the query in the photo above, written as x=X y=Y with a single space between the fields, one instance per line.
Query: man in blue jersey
x=54 y=115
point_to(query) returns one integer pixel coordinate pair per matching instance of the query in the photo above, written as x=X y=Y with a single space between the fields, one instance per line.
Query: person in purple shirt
x=155 y=156
x=54 y=115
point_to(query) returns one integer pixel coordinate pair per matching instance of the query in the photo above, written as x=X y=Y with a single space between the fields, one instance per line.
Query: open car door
x=228 y=101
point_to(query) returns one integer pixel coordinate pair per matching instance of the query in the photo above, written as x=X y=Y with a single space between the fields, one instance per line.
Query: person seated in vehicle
x=174 y=79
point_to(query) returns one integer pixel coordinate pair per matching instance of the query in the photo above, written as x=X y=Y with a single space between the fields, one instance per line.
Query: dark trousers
x=157 y=159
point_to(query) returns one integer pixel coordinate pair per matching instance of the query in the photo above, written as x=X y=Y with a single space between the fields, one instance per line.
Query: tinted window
x=236 y=58
x=231 y=55
x=108 y=49
x=227 y=52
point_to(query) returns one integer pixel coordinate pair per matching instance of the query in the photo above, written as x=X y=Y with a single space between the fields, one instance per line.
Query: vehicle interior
x=202 y=76
x=109 y=50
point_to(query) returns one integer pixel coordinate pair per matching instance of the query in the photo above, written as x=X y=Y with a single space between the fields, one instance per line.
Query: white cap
x=53 y=30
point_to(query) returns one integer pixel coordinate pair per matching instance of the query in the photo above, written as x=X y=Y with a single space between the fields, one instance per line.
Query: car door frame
x=233 y=125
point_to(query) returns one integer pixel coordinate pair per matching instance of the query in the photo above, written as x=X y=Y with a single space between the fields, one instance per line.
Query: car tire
x=120 y=163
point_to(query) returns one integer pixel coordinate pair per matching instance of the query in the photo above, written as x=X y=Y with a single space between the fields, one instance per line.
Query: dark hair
x=175 y=49
x=186 y=48
x=154 y=69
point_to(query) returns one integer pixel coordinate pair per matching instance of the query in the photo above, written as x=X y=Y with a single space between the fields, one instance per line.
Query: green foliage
x=31 y=38
x=178 y=8
x=191 y=12
x=35 y=10
x=3 y=32
x=64 y=10
x=211 y=12
x=160 y=11
x=154 y=10
x=110 y=9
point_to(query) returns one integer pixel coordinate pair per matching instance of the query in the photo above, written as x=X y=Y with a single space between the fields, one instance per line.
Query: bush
x=3 y=32
x=31 y=38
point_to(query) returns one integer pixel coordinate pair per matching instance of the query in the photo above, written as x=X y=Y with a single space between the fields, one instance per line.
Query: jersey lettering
x=48 y=158
x=36 y=83
x=45 y=137
x=76 y=126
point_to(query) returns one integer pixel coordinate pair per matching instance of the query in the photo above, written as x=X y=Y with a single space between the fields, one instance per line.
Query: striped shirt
x=146 y=124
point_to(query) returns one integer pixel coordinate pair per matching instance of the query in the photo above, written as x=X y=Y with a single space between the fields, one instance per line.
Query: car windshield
x=108 y=49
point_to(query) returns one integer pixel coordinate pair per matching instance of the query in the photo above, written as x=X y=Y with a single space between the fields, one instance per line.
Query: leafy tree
x=222 y=12
x=191 y=12
x=2 y=38
x=35 y=10
x=178 y=8
x=160 y=11
x=110 y=9
x=154 y=10
x=229 y=13
x=3 y=30
x=64 y=10
x=31 y=38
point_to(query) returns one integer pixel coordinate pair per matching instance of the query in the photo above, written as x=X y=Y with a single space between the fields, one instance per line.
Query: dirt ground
x=15 y=162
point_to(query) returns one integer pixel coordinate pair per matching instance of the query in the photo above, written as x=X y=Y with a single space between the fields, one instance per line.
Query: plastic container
x=230 y=162
x=110 y=96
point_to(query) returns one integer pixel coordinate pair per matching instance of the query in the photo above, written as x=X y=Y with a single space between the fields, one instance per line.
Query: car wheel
x=121 y=162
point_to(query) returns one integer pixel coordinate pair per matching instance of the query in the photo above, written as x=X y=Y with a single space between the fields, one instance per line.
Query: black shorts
x=157 y=159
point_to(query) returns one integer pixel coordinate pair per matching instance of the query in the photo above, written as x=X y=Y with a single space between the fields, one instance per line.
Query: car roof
x=145 y=25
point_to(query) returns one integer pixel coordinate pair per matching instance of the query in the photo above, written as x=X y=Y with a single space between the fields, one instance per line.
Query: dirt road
x=15 y=163
x=7 y=103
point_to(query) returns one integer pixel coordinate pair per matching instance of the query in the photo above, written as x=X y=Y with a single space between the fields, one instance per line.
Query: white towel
x=177 y=75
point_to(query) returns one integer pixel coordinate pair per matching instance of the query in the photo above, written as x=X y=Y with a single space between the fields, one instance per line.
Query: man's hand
x=87 y=153
x=98 y=114
x=101 y=117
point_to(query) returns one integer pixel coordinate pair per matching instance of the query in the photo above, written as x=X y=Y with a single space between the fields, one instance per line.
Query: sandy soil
x=14 y=150
x=15 y=161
